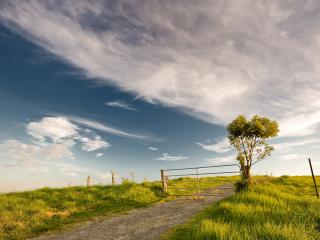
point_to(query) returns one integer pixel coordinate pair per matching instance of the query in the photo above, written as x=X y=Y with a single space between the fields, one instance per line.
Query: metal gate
x=199 y=181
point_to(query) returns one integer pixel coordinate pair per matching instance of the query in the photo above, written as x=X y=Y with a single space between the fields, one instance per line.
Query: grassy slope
x=25 y=214
x=276 y=209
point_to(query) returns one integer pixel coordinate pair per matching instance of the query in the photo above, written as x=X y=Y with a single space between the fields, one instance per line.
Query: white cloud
x=63 y=130
x=291 y=145
x=120 y=104
x=24 y=155
x=93 y=144
x=221 y=160
x=153 y=148
x=167 y=157
x=56 y=129
x=213 y=60
x=99 y=155
x=57 y=152
x=221 y=146
x=290 y=157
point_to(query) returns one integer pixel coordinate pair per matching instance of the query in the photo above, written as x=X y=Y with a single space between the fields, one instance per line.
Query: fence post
x=113 y=180
x=314 y=180
x=198 y=183
x=132 y=176
x=164 y=182
x=88 y=181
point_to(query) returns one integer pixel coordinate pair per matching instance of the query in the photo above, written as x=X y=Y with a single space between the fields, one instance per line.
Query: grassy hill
x=275 y=208
x=24 y=214
x=29 y=213
x=278 y=208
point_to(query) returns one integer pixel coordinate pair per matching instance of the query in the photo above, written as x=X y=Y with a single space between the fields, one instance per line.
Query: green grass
x=191 y=184
x=279 y=208
x=30 y=213
x=25 y=214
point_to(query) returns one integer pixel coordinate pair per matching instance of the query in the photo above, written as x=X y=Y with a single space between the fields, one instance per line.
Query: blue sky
x=89 y=87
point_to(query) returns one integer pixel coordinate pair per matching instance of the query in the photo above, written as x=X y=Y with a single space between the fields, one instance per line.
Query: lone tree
x=249 y=139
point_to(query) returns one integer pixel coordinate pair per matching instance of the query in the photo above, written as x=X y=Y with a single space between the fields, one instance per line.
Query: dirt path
x=141 y=224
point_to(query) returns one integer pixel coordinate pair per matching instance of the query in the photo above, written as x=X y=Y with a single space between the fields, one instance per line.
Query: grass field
x=30 y=213
x=24 y=214
x=277 y=209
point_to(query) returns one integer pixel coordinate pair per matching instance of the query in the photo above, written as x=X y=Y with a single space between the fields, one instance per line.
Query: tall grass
x=280 y=208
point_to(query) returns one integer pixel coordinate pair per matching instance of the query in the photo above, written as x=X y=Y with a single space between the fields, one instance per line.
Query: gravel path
x=141 y=224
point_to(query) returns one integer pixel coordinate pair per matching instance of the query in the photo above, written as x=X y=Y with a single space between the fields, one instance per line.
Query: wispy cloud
x=221 y=146
x=53 y=139
x=90 y=145
x=292 y=144
x=25 y=156
x=266 y=62
x=290 y=157
x=99 y=155
x=153 y=148
x=105 y=128
x=63 y=130
x=167 y=157
x=120 y=104
x=221 y=160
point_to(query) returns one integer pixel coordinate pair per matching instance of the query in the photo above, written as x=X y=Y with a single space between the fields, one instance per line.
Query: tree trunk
x=246 y=174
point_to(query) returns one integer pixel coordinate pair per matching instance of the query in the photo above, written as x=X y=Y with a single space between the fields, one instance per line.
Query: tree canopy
x=249 y=138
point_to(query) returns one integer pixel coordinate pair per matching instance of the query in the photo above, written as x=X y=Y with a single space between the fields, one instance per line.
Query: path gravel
x=141 y=224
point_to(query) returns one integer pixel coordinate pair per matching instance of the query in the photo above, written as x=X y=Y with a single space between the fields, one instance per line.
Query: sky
x=90 y=87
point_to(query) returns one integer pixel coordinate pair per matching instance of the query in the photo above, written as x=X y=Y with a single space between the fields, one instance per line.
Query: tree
x=249 y=139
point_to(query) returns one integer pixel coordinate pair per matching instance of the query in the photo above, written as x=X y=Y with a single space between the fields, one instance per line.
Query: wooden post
x=314 y=180
x=164 y=182
x=88 y=181
x=132 y=176
x=198 y=183
x=113 y=180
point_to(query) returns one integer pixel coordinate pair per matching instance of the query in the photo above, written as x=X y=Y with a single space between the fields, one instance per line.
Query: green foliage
x=279 y=208
x=249 y=139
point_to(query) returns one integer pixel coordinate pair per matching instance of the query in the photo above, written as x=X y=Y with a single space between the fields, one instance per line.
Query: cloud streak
x=213 y=60
x=167 y=157
x=105 y=128
x=120 y=104
x=221 y=146
x=153 y=148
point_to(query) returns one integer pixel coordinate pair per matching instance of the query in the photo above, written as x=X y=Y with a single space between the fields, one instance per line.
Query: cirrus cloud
x=120 y=104
x=213 y=60
x=221 y=146
x=167 y=157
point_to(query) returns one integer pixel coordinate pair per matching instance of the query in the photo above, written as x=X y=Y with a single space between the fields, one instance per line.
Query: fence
x=197 y=178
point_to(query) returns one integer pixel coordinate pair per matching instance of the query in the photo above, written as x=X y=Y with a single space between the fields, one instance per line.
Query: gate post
x=163 y=182
x=113 y=180
x=88 y=181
